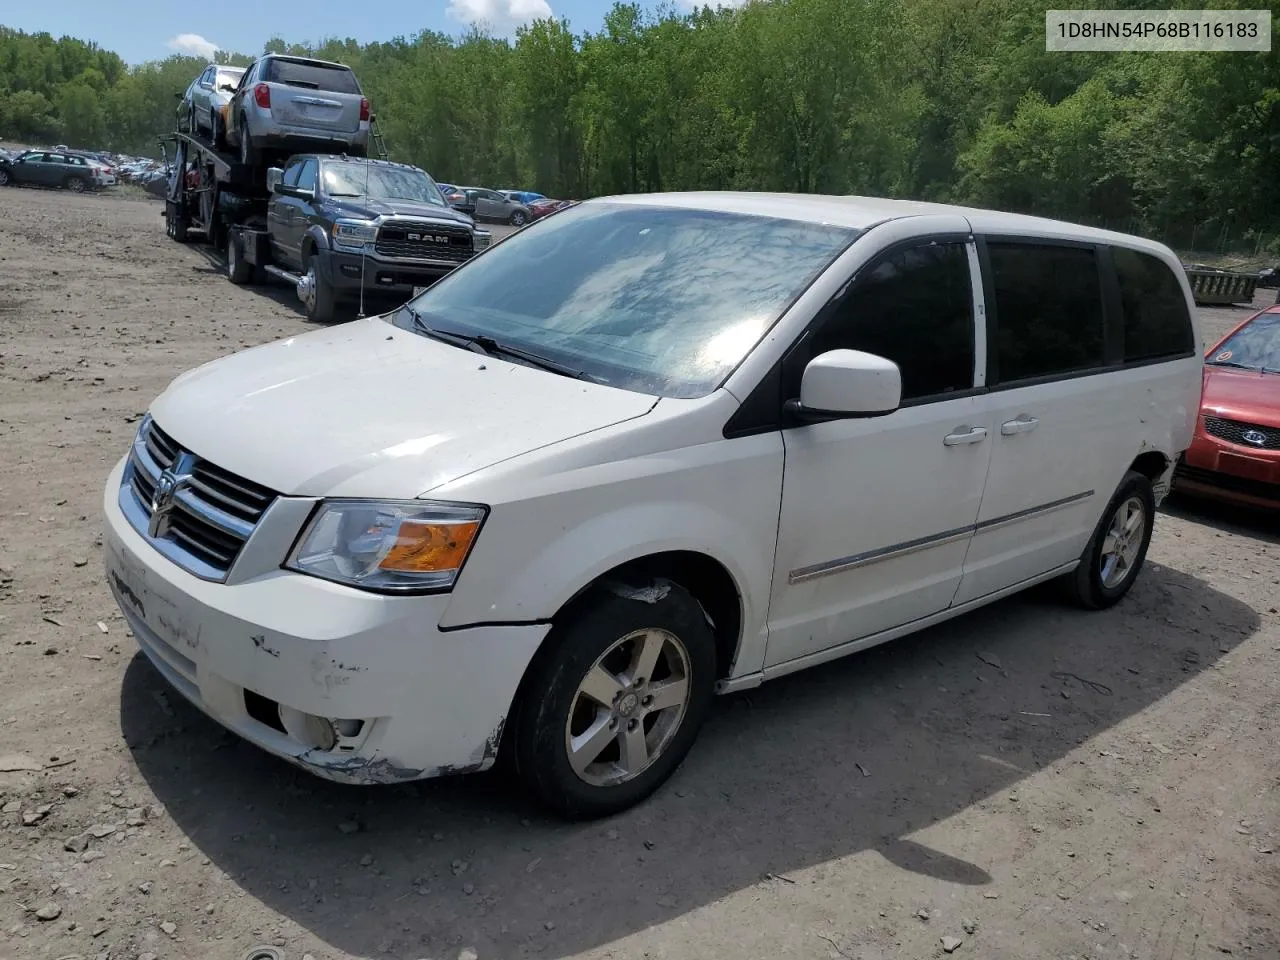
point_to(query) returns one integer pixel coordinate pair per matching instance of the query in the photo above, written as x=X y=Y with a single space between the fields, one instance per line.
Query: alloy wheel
x=628 y=707
x=1122 y=542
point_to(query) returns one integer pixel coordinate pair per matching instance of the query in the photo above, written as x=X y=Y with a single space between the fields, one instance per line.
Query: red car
x=546 y=206
x=1235 y=453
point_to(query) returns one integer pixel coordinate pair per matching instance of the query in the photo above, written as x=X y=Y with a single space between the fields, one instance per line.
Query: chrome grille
x=212 y=511
x=423 y=241
x=1251 y=435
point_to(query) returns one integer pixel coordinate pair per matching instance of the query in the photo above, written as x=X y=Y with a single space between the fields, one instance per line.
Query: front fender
x=316 y=238
x=555 y=574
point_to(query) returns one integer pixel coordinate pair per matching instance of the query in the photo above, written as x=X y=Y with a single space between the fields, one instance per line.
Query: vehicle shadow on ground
x=854 y=756
x=1224 y=517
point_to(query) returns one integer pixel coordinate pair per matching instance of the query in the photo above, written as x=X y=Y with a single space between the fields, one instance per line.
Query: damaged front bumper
x=351 y=686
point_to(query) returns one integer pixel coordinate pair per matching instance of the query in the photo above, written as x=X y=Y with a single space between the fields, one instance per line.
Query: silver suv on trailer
x=296 y=104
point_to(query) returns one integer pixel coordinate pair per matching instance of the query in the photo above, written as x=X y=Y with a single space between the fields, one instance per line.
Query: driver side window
x=307 y=174
x=913 y=306
x=290 y=176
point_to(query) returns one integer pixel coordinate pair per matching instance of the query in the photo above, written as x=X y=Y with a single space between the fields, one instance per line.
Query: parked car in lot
x=1235 y=454
x=203 y=105
x=545 y=207
x=485 y=204
x=658 y=447
x=46 y=168
x=525 y=197
x=295 y=105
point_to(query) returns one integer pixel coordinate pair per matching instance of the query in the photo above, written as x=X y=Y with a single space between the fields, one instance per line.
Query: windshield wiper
x=481 y=343
x=1231 y=363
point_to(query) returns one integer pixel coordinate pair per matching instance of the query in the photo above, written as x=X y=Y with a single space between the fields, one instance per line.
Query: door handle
x=971 y=435
x=1023 y=424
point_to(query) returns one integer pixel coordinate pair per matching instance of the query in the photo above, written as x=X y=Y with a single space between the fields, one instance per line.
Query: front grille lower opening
x=263 y=709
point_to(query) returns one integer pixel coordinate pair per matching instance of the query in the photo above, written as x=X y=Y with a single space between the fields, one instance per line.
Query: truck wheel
x=175 y=224
x=613 y=703
x=75 y=184
x=239 y=270
x=316 y=292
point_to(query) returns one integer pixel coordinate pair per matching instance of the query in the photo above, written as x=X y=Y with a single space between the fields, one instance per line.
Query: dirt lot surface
x=1033 y=781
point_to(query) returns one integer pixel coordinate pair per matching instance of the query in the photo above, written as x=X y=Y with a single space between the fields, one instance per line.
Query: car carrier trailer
x=229 y=204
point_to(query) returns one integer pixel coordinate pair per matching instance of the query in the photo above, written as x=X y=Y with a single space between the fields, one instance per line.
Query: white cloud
x=193 y=45
x=499 y=15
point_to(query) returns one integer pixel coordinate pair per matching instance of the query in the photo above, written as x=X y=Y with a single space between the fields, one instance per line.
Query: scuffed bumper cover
x=434 y=702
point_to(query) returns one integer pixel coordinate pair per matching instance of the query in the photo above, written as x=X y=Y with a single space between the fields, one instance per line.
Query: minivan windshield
x=352 y=178
x=1255 y=346
x=659 y=300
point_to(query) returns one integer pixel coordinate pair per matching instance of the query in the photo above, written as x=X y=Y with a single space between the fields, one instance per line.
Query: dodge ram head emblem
x=1256 y=437
x=163 y=498
x=428 y=237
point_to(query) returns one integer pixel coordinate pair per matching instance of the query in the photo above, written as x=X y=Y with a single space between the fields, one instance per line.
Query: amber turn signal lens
x=426 y=547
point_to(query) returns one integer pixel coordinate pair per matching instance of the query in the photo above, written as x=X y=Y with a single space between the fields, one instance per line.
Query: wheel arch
x=314 y=241
x=704 y=577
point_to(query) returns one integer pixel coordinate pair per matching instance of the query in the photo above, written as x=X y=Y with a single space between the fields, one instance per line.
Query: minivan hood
x=369 y=410
x=1250 y=396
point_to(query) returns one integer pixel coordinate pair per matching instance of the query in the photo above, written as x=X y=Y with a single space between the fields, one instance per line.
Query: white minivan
x=646 y=450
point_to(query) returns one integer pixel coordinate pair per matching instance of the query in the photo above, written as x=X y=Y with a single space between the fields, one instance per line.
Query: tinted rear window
x=317 y=76
x=1156 y=321
x=1048 y=307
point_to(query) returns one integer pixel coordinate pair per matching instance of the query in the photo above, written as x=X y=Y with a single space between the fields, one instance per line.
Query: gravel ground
x=1032 y=781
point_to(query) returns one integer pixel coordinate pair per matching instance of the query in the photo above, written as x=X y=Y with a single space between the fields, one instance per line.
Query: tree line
x=949 y=100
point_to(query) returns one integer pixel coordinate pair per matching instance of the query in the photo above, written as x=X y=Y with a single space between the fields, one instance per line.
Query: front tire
x=615 y=699
x=519 y=218
x=1114 y=555
x=4 y=178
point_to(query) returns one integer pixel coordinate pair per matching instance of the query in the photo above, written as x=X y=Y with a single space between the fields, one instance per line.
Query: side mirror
x=844 y=384
x=273 y=178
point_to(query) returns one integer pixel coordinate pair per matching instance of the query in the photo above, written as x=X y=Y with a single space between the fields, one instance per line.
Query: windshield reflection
x=659 y=300
x=377 y=182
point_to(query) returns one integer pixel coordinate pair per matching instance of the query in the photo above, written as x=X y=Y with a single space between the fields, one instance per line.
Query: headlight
x=353 y=233
x=388 y=545
x=482 y=239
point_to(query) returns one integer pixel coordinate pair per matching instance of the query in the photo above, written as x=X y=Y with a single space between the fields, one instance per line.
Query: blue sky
x=142 y=30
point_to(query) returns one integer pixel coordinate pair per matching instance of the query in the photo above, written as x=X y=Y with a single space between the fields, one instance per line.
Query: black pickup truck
x=339 y=227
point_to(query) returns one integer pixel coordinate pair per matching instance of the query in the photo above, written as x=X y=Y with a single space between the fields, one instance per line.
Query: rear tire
x=639 y=738
x=321 y=302
x=175 y=224
x=239 y=270
x=248 y=155
x=75 y=184
x=1114 y=555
